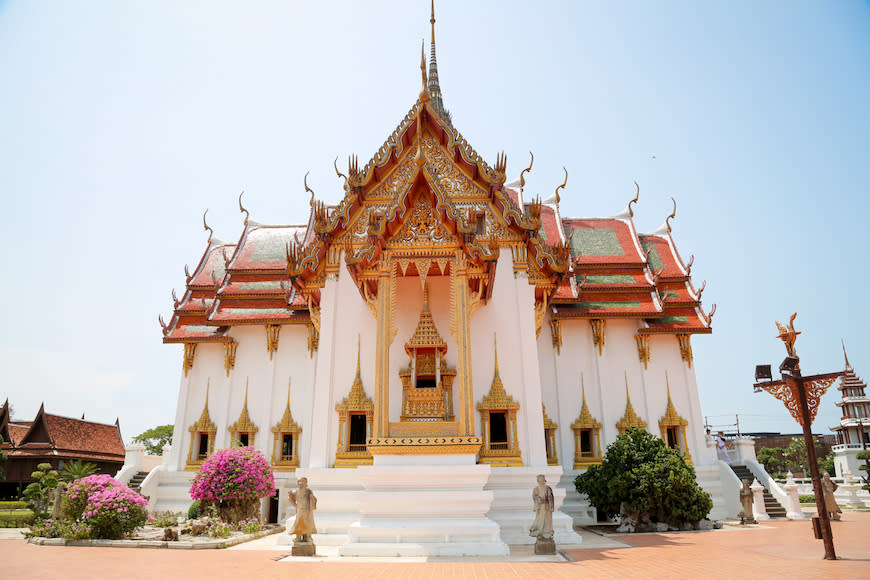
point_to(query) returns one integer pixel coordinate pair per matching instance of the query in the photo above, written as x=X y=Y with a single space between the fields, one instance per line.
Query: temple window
x=630 y=418
x=286 y=440
x=587 y=442
x=498 y=419
x=202 y=435
x=354 y=424
x=673 y=427
x=427 y=381
x=243 y=431
x=550 y=438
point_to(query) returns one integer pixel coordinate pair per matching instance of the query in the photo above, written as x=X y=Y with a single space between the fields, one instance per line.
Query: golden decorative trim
x=189 y=353
x=550 y=437
x=313 y=340
x=685 y=348
x=272 y=332
x=586 y=422
x=230 y=355
x=642 y=349
x=630 y=418
x=203 y=425
x=497 y=400
x=286 y=426
x=424 y=429
x=598 y=325
x=356 y=402
x=672 y=419
x=540 y=312
x=556 y=335
x=243 y=424
x=423 y=445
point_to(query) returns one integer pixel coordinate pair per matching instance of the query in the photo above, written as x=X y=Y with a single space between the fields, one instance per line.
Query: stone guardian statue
x=542 y=527
x=746 y=514
x=305 y=502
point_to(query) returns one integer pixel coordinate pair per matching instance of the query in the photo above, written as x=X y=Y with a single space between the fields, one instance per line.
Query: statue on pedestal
x=828 y=489
x=305 y=502
x=746 y=514
x=542 y=527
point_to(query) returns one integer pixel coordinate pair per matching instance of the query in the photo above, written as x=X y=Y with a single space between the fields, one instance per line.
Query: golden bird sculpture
x=788 y=334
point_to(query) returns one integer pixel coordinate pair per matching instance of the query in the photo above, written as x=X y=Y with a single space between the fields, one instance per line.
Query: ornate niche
x=587 y=437
x=550 y=438
x=243 y=431
x=285 y=441
x=202 y=434
x=427 y=381
x=354 y=424
x=498 y=422
x=673 y=428
x=630 y=418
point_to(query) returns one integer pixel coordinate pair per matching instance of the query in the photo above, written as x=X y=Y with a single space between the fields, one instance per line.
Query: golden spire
x=495 y=345
x=357 y=355
x=288 y=392
x=424 y=92
x=434 y=87
x=426 y=334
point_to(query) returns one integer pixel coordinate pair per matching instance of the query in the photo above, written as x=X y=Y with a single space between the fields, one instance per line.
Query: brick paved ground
x=777 y=550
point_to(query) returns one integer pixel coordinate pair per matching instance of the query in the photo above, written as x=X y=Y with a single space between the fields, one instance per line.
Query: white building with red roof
x=435 y=339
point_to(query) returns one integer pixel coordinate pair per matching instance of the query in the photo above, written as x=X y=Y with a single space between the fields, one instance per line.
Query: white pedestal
x=423 y=510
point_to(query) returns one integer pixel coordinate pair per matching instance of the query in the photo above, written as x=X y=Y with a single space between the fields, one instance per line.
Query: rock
x=197 y=528
x=705 y=525
x=170 y=535
x=686 y=527
x=625 y=528
x=184 y=531
x=717 y=524
x=661 y=527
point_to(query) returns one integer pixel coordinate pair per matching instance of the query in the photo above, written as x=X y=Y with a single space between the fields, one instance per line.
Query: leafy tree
x=38 y=493
x=826 y=463
x=773 y=459
x=642 y=478
x=154 y=439
x=77 y=469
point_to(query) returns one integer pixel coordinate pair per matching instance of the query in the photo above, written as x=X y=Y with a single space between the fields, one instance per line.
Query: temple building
x=853 y=432
x=55 y=440
x=437 y=333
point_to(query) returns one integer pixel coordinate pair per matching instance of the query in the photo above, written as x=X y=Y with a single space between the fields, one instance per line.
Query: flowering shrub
x=49 y=528
x=218 y=529
x=163 y=519
x=115 y=512
x=236 y=473
x=79 y=491
x=250 y=526
x=234 y=479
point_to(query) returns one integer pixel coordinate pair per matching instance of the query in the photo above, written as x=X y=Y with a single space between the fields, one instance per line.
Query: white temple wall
x=575 y=365
x=665 y=359
x=509 y=314
x=208 y=369
x=293 y=362
x=619 y=360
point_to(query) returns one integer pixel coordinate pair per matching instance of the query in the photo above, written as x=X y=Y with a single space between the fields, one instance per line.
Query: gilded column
x=463 y=344
x=382 y=363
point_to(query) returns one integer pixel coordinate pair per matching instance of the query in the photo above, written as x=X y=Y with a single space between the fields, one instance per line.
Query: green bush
x=13 y=505
x=806 y=498
x=38 y=493
x=16 y=518
x=641 y=477
x=49 y=528
x=193 y=510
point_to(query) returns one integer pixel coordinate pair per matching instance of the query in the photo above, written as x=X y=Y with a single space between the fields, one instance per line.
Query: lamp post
x=801 y=396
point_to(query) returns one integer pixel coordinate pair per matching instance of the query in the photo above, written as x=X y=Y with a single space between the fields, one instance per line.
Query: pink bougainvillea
x=237 y=473
x=107 y=506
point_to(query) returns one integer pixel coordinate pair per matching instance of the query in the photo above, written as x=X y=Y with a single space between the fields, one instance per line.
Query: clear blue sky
x=120 y=122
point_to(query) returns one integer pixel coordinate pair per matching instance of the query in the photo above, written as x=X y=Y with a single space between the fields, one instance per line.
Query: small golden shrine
x=498 y=421
x=427 y=381
x=673 y=427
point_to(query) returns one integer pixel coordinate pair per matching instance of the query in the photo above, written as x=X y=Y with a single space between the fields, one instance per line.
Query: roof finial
x=308 y=189
x=845 y=356
x=242 y=208
x=434 y=87
x=526 y=170
x=205 y=225
x=564 y=183
x=672 y=216
x=636 y=197
x=424 y=92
